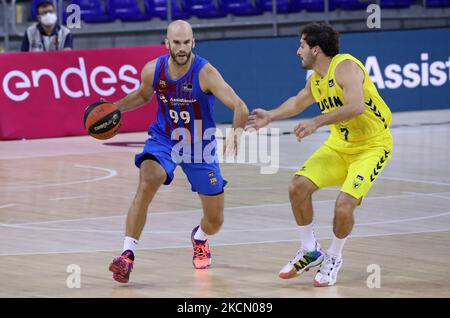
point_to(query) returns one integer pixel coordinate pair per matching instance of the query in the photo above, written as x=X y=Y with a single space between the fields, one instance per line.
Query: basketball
x=102 y=120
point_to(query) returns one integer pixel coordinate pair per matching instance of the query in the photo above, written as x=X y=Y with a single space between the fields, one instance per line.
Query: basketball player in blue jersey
x=185 y=86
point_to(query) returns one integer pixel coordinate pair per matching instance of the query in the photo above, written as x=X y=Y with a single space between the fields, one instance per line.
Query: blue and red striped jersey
x=185 y=112
x=182 y=103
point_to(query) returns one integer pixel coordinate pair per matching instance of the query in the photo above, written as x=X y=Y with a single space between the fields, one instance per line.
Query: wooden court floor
x=63 y=203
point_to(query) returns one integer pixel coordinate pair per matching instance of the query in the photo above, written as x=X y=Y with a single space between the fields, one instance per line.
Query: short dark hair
x=323 y=35
x=44 y=3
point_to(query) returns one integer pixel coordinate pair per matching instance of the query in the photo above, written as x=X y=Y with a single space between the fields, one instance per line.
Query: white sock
x=200 y=235
x=307 y=237
x=336 y=247
x=130 y=244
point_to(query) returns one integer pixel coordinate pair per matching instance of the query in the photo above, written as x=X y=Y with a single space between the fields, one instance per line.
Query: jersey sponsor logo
x=317 y=85
x=357 y=182
x=163 y=98
x=330 y=103
x=182 y=101
x=187 y=87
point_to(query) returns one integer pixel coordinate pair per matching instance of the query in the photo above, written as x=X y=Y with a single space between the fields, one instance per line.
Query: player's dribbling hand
x=258 y=119
x=304 y=129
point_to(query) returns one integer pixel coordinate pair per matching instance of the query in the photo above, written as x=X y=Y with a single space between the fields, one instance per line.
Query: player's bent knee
x=301 y=186
x=345 y=205
x=343 y=210
x=151 y=180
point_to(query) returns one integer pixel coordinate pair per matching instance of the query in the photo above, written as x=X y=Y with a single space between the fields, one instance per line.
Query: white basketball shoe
x=327 y=273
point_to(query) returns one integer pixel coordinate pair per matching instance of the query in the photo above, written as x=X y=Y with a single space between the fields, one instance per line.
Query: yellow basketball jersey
x=330 y=96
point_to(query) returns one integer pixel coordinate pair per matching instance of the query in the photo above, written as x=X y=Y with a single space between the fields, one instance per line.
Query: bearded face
x=181 y=51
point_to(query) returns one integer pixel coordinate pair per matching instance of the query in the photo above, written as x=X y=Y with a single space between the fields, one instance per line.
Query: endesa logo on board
x=74 y=75
x=424 y=73
x=101 y=80
x=44 y=94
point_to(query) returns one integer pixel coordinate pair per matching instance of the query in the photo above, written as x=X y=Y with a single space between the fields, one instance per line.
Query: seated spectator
x=47 y=34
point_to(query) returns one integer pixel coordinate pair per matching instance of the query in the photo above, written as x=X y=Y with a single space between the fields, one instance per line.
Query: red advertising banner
x=45 y=94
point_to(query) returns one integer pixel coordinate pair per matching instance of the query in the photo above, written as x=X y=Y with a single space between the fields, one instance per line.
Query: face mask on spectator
x=48 y=19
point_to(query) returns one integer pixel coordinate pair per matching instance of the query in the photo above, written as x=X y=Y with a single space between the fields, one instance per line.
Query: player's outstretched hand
x=258 y=119
x=305 y=128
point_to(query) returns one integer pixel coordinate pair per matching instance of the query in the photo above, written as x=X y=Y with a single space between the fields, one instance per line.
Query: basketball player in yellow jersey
x=354 y=155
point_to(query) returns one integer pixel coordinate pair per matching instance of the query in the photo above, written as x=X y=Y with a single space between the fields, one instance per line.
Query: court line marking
x=247 y=188
x=224 y=244
x=434 y=195
x=415 y=180
x=29 y=225
x=7 y=206
x=68 y=198
x=227 y=188
x=111 y=173
x=150 y=232
x=200 y=210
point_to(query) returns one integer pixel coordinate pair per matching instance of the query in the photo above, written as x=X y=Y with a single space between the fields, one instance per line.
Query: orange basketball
x=102 y=120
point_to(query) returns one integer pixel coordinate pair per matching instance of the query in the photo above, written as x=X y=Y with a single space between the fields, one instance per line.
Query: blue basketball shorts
x=205 y=178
